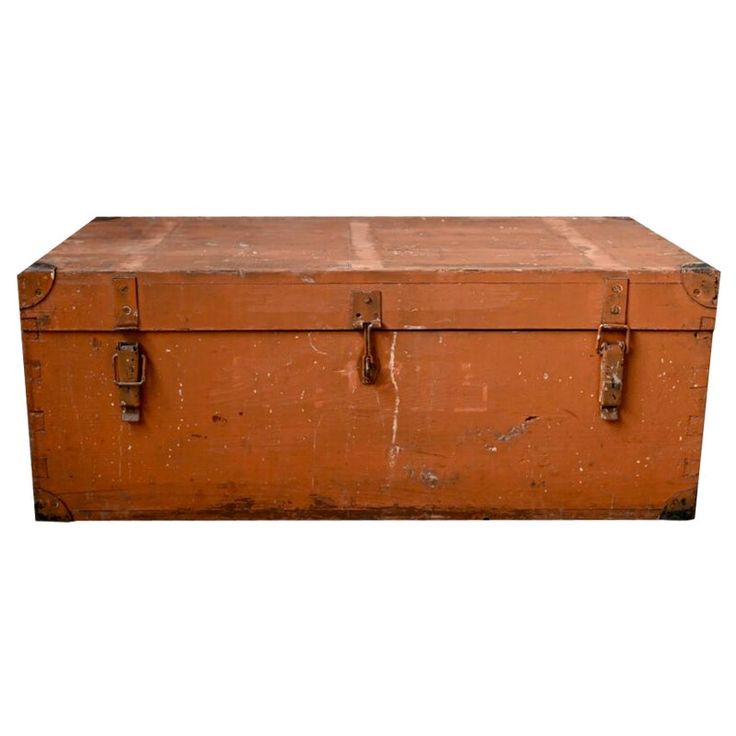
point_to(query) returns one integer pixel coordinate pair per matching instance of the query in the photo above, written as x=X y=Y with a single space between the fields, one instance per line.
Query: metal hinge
x=613 y=342
x=129 y=375
x=366 y=316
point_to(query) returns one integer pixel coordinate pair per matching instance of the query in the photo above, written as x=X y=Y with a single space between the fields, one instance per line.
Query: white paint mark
x=395 y=449
x=364 y=255
x=591 y=252
x=313 y=346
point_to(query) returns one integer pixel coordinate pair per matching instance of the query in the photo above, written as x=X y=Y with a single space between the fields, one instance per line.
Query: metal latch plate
x=366 y=309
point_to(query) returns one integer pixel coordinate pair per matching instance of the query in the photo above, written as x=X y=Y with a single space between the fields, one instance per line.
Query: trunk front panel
x=277 y=424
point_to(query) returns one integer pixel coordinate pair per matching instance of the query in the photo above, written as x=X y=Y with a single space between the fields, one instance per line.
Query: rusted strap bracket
x=129 y=375
x=125 y=289
x=613 y=342
x=366 y=316
x=612 y=371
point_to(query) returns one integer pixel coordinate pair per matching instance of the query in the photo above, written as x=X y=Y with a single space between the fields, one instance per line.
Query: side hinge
x=126 y=302
x=613 y=342
x=366 y=316
x=129 y=375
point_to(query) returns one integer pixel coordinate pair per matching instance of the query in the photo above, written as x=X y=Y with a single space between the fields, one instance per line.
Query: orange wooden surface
x=335 y=245
x=486 y=404
x=477 y=424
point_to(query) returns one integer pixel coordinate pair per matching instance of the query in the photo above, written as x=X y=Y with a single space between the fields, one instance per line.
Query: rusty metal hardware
x=612 y=355
x=368 y=365
x=129 y=375
x=366 y=316
x=701 y=283
x=613 y=351
x=615 y=301
x=35 y=283
x=126 y=302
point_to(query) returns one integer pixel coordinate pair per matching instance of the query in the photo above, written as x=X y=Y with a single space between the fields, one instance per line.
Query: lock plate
x=366 y=309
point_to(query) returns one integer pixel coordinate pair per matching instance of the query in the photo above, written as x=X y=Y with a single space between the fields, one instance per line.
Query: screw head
x=127 y=310
x=615 y=309
x=367 y=300
x=617 y=288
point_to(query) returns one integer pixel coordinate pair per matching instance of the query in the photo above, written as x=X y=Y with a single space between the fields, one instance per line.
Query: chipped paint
x=516 y=430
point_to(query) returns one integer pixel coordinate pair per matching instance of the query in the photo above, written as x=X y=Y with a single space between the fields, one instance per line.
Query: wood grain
x=476 y=424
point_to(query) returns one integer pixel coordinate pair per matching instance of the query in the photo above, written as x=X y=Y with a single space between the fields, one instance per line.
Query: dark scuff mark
x=516 y=430
x=238 y=509
x=681 y=506
x=246 y=509
x=323 y=502
x=218 y=419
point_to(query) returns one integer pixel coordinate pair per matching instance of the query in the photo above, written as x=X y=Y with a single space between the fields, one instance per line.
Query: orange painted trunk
x=366 y=368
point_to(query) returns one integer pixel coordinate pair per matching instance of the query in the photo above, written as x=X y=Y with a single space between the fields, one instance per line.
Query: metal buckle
x=118 y=382
x=612 y=354
x=607 y=327
x=129 y=374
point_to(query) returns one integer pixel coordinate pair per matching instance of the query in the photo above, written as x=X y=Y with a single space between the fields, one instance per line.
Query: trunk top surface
x=341 y=246
x=237 y=273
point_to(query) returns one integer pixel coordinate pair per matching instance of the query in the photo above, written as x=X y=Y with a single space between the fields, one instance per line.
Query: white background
x=368 y=108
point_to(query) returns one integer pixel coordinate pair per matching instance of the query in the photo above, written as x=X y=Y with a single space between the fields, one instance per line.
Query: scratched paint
x=394 y=449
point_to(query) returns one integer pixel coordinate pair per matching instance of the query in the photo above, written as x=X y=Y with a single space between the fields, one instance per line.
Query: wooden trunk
x=198 y=368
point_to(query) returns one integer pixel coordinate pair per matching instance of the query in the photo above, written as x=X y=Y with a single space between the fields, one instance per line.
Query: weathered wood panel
x=232 y=302
x=412 y=246
x=459 y=424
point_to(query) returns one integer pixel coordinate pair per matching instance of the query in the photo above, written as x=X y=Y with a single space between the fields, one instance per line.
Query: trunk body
x=366 y=368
